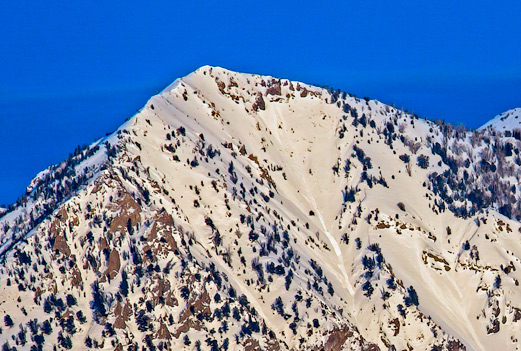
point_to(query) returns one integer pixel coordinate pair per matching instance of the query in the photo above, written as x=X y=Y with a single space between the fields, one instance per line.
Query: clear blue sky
x=71 y=71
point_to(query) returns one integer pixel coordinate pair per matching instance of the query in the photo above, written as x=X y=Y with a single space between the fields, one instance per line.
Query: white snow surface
x=508 y=120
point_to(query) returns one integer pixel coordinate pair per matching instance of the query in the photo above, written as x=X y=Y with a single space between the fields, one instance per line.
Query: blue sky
x=72 y=71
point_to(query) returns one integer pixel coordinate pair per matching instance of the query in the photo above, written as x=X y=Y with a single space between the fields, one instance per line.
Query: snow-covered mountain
x=508 y=120
x=246 y=212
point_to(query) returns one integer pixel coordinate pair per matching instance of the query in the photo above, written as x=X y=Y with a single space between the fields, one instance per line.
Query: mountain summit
x=246 y=212
x=508 y=120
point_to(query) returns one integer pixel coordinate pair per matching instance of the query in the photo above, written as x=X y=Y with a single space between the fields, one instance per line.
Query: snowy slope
x=508 y=120
x=247 y=212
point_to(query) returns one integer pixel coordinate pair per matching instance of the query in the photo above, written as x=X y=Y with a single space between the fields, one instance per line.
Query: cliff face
x=245 y=212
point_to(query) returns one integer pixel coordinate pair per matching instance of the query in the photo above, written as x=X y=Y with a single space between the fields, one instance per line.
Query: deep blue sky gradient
x=72 y=71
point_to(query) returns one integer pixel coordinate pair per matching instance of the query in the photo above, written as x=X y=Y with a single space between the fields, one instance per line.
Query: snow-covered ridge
x=506 y=121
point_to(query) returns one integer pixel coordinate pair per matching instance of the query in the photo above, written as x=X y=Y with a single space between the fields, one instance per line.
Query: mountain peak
x=247 y=212
x=508 y=120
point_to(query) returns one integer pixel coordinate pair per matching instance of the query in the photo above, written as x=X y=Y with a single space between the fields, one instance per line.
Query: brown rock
x=274 y=90
x=200 y=305
x=259 y=103
x=495 y=327
x=161 y=289
x=337 y=338
x=60 y=244
x=114 y=264
x=232 y=83
x=382 y=225
x=221 y=87
x=119 y=323
x=59 y=222
x=76 y=277
x=251 y=345
x=395 y=324
x=67 y=314
x=163 y=332
x=517 y=314
x=163 y=228
x=455 y=345
x=122 y=315
x=103 y=244
x=128 y=209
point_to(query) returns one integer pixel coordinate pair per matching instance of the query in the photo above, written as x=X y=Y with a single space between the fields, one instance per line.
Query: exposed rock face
x=114 y=264
x=337 y=339
x=129 y=213
x=60 y=244
x=163 y=332
x=259 y=103
x=274 y=89
x=122 y=315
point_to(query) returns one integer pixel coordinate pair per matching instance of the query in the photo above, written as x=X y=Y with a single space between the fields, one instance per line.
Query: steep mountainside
x=244 y=212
